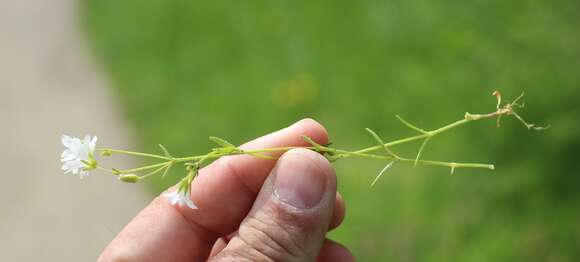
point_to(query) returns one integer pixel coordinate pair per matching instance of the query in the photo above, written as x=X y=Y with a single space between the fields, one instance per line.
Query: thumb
x=291 y=214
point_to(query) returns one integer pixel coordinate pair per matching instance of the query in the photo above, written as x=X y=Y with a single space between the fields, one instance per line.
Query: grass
x=185 y=70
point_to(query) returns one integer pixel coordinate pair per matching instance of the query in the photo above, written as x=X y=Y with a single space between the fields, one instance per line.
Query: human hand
x=250 y=209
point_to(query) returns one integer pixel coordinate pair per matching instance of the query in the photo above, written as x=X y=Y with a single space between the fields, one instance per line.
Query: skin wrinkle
x=264 y=246
x=238 y=253
x=296 y=218
x=227 y=239
x=288 y=215
x=277 y=246
x=217 y=247
x=255 y=232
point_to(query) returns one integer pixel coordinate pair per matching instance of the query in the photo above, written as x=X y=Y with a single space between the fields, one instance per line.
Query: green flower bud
x=129 y=178
x=106 y=152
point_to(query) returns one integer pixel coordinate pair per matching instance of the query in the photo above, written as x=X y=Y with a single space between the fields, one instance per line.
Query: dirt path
x=49 y=87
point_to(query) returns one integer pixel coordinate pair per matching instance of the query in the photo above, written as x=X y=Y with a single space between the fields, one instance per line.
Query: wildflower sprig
x=79 y=157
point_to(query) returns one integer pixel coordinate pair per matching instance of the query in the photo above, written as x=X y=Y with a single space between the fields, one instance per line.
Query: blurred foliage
x=185 y=70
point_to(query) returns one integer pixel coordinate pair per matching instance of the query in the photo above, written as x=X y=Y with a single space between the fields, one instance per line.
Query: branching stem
x=194 y=163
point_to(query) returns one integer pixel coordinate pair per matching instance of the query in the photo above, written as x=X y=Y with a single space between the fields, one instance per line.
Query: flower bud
x=129 y=178
x=106 y=152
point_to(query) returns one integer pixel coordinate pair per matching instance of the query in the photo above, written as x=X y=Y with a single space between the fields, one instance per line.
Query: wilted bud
x=129 y=178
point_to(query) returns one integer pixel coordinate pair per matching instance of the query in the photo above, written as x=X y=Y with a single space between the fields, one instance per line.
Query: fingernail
x=299 y=182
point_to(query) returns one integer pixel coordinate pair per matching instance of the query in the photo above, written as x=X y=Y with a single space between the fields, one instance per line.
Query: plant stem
x=132 y=153
x=363 y=153
x=139 y=169
x=468 y=118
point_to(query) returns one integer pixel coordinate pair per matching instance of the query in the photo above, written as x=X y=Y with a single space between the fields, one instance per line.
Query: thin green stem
x=249 y=152
x=105 y=169
x=392 y=143
x=451 y=164
x=126 y=152
x=155 y=171
x=139 y=169
x=450 y=126
x=468 y=118
x=409 y=125
x=331 y=152
x=363 y=155
x=421 y=149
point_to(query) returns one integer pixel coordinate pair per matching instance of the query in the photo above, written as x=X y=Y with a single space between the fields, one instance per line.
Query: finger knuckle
x=263 y=239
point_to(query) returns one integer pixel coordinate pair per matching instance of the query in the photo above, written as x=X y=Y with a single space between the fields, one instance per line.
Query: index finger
x=224 y=191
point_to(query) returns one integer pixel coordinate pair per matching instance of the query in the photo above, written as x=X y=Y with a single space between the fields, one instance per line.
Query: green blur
x=186 y=70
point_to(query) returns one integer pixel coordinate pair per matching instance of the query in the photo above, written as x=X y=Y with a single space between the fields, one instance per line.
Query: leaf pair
x=228 y=148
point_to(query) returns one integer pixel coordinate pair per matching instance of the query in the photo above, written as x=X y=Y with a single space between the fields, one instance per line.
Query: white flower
x=78 y=157
x=180 y=197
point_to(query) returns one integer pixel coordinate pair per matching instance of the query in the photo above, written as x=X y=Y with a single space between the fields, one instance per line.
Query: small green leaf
x=166 y=171
x=317 y=147
x=310 y=141
x=165 y=152
x=421 y=149
x=382 y=172
x=380 y=142
x=409 y=125
x=375 y=136
x=221 y=142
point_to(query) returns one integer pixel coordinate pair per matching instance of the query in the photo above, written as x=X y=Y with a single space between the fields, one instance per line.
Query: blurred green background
x=185 y=70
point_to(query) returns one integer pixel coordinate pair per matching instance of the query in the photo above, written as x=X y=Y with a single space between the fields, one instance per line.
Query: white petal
x=66 y=165
x=169 y=195
x=73 y=166
x=66 y=159
x=175 y=200
x=84 y=174
x=190 y=203
x=65 y=152
x=66 y=140
x=76 y=147
x=67 y=156
x=93 y=144
x=66 y=170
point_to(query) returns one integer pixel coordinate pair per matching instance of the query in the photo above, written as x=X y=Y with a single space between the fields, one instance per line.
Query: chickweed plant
x=79 y=155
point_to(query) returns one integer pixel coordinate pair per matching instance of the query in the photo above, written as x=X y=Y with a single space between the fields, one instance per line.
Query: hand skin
x=250 y=209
